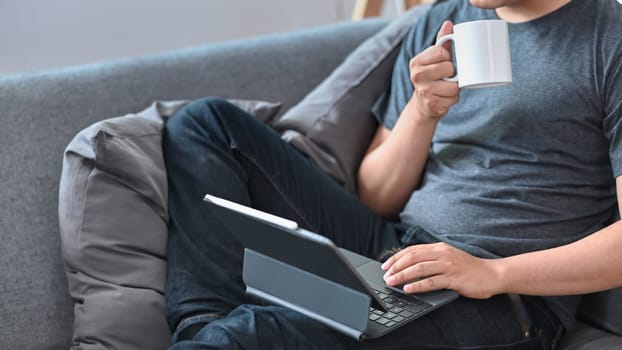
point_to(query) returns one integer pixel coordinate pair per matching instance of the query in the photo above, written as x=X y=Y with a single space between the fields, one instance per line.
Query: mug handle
x=441 y=41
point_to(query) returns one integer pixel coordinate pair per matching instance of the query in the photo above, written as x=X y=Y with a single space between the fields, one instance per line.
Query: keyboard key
x=398 y=319
x=416 y=302
x=417 y=308
x=382 y=320
x=421 y=310
x=382 y=295
x=389 y=315
x=396 y=310
x=406 y=314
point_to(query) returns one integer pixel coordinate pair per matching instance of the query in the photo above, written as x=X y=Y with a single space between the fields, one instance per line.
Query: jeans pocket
x=550 y=335
x=546 y=327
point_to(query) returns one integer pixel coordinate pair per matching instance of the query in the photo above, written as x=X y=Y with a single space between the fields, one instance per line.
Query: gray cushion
x=333 y=124
x=584 y=337
x=603 y=310
x=113 y=218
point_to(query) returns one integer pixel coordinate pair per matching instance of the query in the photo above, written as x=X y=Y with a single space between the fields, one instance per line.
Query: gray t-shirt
x=530 y=165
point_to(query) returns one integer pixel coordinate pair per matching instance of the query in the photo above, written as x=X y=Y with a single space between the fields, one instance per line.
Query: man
x=491 y=187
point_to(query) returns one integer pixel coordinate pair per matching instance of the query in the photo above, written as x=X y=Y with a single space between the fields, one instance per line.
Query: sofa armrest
x=41 y=112
x=603 y=310
x=586 y=337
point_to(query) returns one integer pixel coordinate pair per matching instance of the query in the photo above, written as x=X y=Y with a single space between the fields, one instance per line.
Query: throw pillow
x=333 y=124
x=113 y=215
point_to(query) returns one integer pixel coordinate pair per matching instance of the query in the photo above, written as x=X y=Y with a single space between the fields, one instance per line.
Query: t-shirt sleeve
x=612 y=96
x=421 y=35
x=388 y=107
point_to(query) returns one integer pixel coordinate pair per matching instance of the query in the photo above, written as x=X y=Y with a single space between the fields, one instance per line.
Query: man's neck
x=528 y=10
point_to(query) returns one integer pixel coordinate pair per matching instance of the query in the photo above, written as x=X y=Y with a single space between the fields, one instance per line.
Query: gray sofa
x=41 y=112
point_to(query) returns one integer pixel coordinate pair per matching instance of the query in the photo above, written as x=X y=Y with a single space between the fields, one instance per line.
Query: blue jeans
x=211 y=146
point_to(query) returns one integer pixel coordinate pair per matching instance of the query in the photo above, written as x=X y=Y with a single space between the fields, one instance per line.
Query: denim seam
x=196 y=318
x=278 y=189
x=553 y=342
x=223 y=145
x=521 y=314
x=189 y=321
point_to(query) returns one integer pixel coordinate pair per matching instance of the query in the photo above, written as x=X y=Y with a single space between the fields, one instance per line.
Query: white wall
x=42 y=34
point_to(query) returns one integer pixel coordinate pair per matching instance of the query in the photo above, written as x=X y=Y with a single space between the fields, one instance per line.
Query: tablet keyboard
x=400 y=310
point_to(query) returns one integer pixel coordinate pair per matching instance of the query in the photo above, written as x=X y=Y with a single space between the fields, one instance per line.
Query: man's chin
x=487 y=4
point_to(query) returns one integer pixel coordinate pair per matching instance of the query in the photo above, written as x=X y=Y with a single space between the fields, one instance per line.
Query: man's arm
x=394 y=162
x=392 y=169
x=588 y=265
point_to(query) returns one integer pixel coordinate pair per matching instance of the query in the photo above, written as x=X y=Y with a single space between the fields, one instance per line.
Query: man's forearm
x=389 y=173
x=591 y=264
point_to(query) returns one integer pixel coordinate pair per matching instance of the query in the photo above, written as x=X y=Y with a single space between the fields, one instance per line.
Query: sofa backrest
x=41 y=112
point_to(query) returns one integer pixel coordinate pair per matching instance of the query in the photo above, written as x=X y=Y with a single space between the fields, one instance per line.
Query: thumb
x=446 y=28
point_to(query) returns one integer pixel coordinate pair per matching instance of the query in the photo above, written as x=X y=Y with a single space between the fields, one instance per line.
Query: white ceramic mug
x=482 y=52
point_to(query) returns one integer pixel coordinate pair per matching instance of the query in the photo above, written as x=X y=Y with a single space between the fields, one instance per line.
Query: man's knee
x=199 y=116
x=213 y=118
